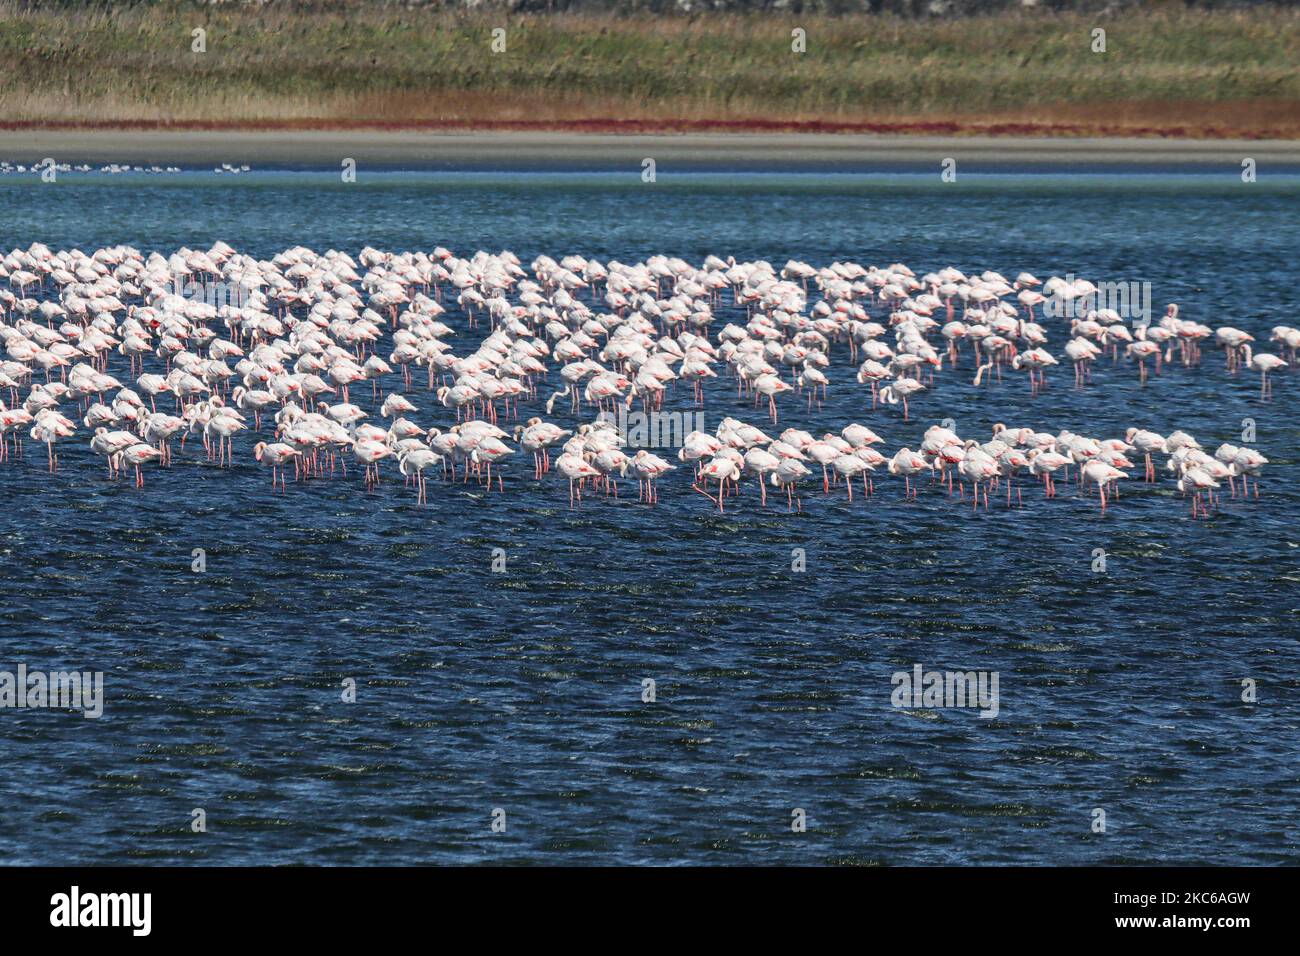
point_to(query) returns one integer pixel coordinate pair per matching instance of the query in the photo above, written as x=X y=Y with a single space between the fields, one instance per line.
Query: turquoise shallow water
x=523 y=690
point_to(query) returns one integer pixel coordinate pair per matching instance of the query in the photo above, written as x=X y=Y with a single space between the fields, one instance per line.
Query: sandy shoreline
x=385 y=149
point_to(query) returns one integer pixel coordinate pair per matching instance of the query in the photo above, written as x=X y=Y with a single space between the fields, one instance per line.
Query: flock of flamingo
x=222 y=340
x=112 y=169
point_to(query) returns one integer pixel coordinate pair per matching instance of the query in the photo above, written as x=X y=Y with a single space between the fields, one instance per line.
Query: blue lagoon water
x=522 y=690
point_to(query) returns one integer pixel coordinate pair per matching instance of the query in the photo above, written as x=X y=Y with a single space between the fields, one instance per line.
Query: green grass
x=390 y=66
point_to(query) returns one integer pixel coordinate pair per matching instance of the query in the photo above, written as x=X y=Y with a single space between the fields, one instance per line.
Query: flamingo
x=823 y=453
x=49 y=427
x=1263 y=363
x=537 y=436
x=771 y=386
x=487 y=452
x=908 y=463
x=1035 y=361
x=1147 y=443
x=136 y=456
x=859 y=436
x=277 y=455
x=979 y=467
x=1043 y=463
x=1197 y=481
x=370 y=453
x=1010 y=463
x=787 y=475
x=574 y=468
x=414 y=462
x=900 y=389
x=1232 y=341
x=1102 y=475
x=1247 y=463
x=648 y=468
x=760 y=462
x=224 y=426
x=313 y=323
x=721 y=469
x=108 y=443
x=849 y=467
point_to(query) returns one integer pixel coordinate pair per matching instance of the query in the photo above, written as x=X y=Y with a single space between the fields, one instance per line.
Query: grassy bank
x=1165 y=71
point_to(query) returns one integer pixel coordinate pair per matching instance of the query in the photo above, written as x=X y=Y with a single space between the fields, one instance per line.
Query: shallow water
x=522 y=690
